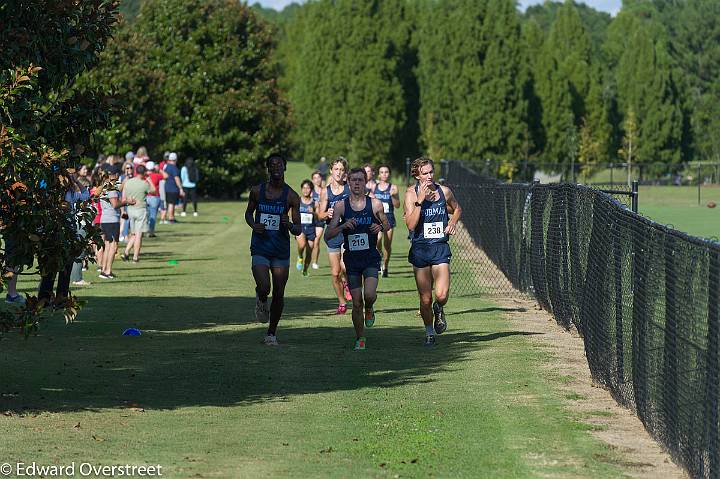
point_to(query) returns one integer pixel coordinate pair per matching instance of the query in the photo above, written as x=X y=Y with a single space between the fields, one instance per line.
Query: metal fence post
x=635 y=193
x=698 y=182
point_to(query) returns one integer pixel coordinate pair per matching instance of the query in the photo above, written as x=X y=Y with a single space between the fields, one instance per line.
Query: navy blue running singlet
x=275 y=242
x=337 y=241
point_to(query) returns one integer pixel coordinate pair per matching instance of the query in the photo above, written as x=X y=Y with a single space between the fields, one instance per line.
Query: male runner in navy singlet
x=358 y=219
x=427 y=209
x=267 y=215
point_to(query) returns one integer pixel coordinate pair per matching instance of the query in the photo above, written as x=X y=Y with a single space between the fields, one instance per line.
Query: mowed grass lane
x=199 y=394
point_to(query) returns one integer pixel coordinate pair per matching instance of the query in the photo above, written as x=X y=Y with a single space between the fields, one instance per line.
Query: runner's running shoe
x=429 y=341
x=270 y=340
x=359 y=344
x=370 y=318
x=315 y=266
x=299 y=264
x=342 y=309
x=262 y=312
x=440 y=323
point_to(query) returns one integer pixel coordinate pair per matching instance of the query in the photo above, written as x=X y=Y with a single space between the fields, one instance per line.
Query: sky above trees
x=611 y=6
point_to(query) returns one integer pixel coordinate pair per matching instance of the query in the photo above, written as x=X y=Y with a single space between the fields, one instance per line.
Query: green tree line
x=381 y=80
x=478 y=80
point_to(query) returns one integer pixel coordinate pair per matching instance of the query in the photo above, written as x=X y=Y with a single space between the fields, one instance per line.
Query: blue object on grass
x=132 y=332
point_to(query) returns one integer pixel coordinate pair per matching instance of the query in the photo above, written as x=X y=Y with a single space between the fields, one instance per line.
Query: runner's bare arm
x=395 y=196
x=412 y=212
x=379 y=212
x=294 y=203
x=334 y=228
x=250 y=211
x=323 y=205
x=454 y=208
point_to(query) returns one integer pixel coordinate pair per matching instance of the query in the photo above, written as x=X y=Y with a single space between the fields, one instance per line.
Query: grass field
x=678 y=206
x=200 y=395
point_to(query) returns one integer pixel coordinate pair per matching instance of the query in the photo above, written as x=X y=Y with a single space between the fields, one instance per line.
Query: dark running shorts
x=111 y=231
x=171 y=198
x=309 y=232
x=424 y=255
x=355 y=278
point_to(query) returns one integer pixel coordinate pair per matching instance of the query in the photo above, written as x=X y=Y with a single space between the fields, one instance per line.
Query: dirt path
x=615 y=425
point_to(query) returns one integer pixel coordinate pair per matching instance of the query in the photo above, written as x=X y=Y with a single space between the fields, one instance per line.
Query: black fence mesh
x=643 y=297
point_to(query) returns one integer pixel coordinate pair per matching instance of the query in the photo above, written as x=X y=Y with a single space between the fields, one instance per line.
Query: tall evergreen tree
x=346 y=93
x=646 y=85
x=695 y=34
x=472 y=80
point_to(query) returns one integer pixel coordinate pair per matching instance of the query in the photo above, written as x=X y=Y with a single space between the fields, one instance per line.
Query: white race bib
x=433 y=230
x=306 y=218
x=386 y=207
x=358 y=242
x=271 y=222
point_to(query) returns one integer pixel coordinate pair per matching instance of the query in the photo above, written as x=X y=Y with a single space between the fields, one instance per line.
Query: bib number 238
x=358 y=242
x=433 y=230
x=271 y=222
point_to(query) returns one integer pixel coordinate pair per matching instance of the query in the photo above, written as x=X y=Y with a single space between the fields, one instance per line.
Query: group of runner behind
x=356 y=213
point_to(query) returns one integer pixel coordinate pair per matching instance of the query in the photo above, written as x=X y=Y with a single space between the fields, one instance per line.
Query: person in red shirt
x=153 y=199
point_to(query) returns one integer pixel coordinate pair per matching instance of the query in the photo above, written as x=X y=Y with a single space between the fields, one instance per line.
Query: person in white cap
x=153 y=199
x=173 y=186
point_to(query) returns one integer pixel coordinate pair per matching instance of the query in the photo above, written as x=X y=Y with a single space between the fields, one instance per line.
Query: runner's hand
x=350 y=224
x=375 y=228
x=450 y=229
x=259 y=228
x=285 y=221
x=330 y=213
x=131 y=201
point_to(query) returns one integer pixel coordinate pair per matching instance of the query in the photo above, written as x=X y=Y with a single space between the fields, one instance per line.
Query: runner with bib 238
x=428 y=207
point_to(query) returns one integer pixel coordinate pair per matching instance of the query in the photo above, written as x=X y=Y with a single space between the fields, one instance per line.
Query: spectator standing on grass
x=127 y=172
x=161 y=190
x=153 y=198
x=137 y=189
x=73 y=195
x=173 y=186
x=83 y=177
x=189 y=177
x=80 y=193
x=110 y=204
x=95 y=193
x=141 y=157
x=12 y=296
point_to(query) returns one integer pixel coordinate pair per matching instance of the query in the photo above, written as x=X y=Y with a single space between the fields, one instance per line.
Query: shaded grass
x=199 y=394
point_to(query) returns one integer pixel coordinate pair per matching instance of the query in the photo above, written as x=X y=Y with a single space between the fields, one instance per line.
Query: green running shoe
x=359 y=344
x=369 y=318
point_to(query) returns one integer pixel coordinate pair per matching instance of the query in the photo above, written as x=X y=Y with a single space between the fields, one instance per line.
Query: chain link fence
x=645 y=298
